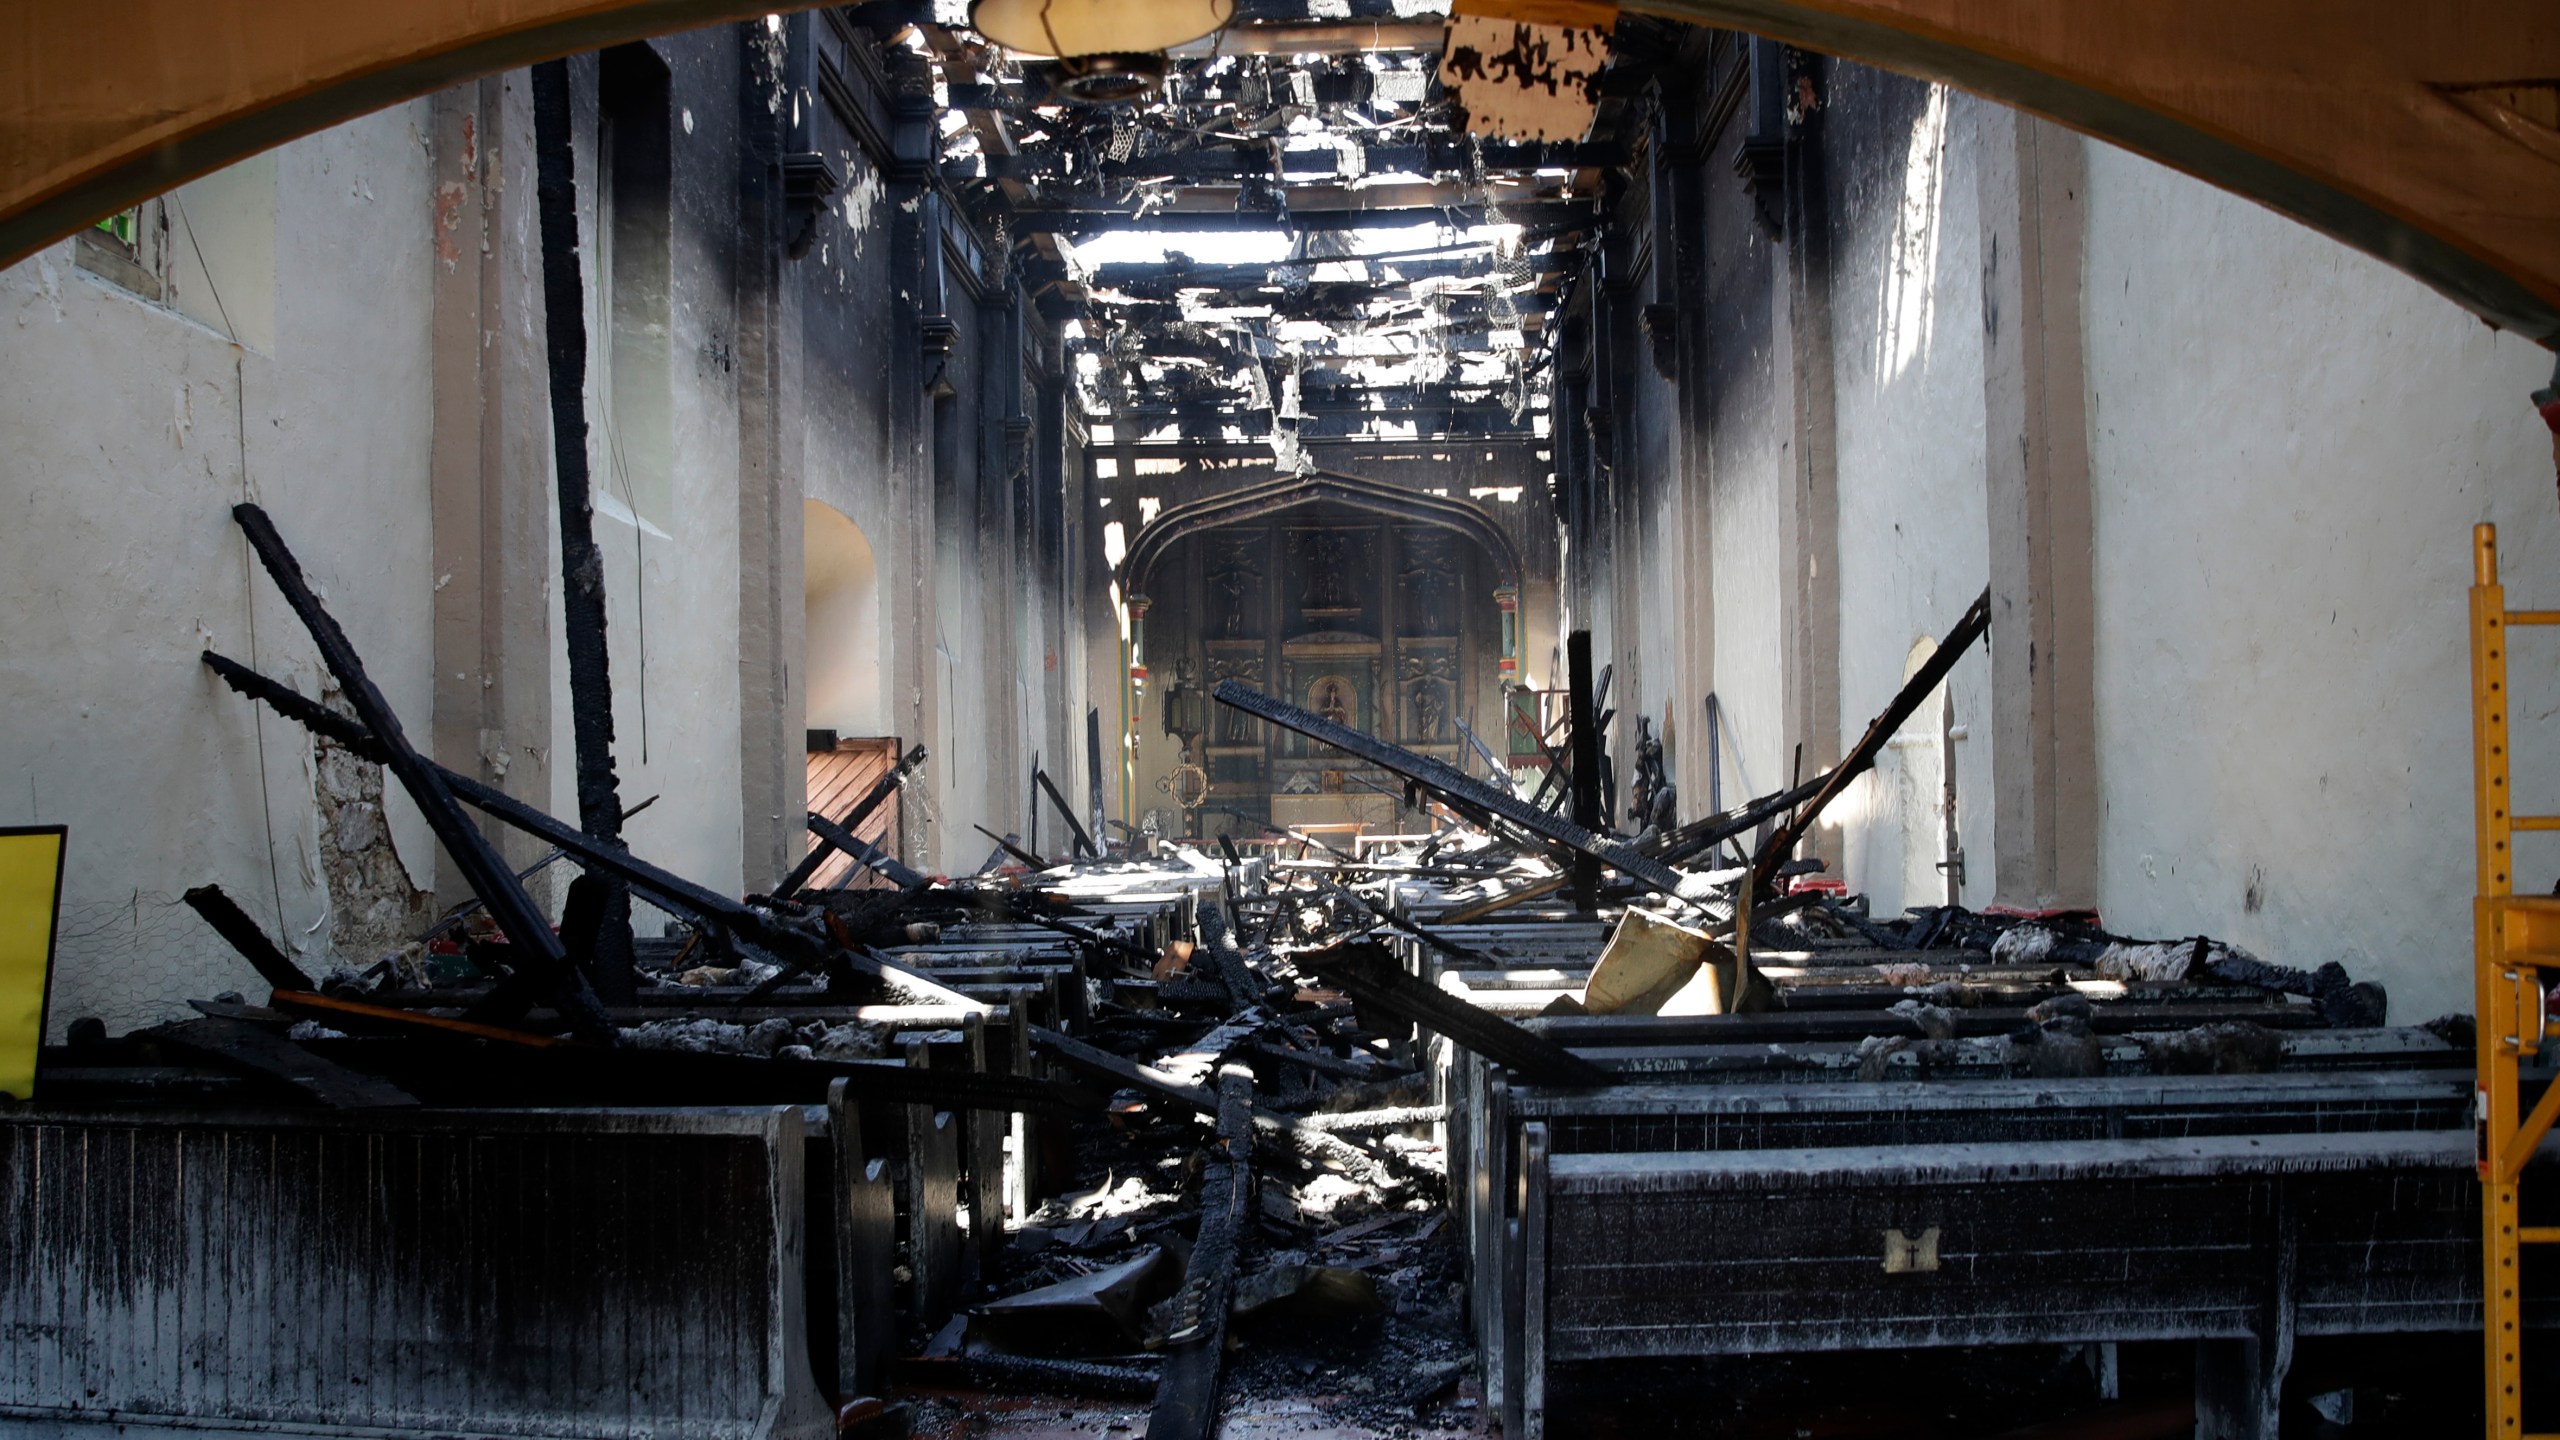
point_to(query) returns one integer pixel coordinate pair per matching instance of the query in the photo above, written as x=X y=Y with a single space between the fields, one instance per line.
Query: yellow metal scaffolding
x=2516 y=941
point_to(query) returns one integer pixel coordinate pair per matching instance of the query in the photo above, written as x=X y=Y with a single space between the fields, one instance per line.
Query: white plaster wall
x=2290 y=444
x=1914 y=545
x=1751 y=478
x=1654 y=679
x=124 y=441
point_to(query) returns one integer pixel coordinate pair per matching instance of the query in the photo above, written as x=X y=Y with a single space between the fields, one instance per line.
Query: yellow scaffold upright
x=2516 y=947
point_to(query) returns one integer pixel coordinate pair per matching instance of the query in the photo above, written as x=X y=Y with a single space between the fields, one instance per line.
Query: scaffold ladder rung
x=2513 y=938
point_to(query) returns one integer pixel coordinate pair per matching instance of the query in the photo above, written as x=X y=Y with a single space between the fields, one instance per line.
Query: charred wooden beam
x=427 y=783
x=1371 y=977
x=870 y=856
x=1971 y=626
x=1186 y=1405
x=793 y=946
x=234 y=925
x=605 y=954
x=1025 y=857
x=1066 y=812
x=1455 y=950
x=256 y=1048
x=359 y=1017
x=1453 y=784
x=1103 y=1380
x=1124 y=1072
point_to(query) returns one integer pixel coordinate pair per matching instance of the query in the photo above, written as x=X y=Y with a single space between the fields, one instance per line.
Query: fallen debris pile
x=1154 y=1123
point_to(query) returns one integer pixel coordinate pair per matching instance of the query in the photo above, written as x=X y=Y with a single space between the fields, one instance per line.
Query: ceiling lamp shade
x=1070 y=29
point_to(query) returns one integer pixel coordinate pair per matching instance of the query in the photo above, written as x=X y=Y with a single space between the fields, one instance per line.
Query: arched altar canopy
x=1324 y=487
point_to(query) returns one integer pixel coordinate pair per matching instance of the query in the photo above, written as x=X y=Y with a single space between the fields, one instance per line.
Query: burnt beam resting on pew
x=1102 y=1064
x=1030 y=1374
x=264 y=1050
x=1371 y=977
x=1453 y=784
x=523 y=922
x=1455 y=950
x=794 y=946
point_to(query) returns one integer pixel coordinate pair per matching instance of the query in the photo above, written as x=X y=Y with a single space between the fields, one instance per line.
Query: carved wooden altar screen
x=1388 y=625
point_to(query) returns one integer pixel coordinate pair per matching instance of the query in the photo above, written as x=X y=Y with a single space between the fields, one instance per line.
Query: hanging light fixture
x=1107 y=50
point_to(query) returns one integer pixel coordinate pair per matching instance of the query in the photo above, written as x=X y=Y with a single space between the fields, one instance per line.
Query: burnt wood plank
x=260 y=1049
x=1452 y=783
x=234 y=925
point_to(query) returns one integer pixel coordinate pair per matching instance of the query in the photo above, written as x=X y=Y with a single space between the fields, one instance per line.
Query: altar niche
x=1387 y=625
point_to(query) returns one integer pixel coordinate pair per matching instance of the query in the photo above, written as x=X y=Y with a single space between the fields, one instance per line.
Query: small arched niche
x=841 y=666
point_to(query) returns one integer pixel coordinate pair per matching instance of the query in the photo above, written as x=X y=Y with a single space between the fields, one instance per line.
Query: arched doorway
x=840 y=582
x=841 y=683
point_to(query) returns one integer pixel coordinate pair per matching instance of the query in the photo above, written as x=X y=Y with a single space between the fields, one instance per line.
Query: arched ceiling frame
x=1274 y=497
x=2422 y=134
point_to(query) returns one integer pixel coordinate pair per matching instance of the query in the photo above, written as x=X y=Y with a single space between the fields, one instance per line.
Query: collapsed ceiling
x=1296 y=238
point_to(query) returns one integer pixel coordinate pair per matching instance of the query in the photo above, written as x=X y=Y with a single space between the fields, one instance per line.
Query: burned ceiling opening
x=1299 y=235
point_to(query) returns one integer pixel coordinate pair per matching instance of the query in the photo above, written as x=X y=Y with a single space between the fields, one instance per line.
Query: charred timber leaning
x=427 y=784
x=1033 y=1375
x=1975 y=623
x=1584 y=737
x=606 y=931
x=1453 y=784
x=1371 y=977
x=233 y=925
x=1698 y=837
x=446 y=922
x=669 y=891
x=1021 y=856
x=1066 y=812
x=852 y=823
x=870 y=856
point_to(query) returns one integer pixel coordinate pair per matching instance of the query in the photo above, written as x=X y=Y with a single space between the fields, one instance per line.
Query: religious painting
x=1336 y=698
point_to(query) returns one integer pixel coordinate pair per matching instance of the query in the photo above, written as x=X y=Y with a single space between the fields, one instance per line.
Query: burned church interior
x=1236 y=719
